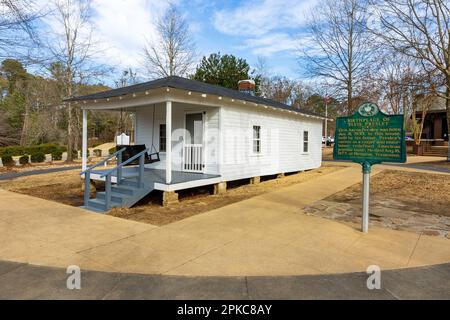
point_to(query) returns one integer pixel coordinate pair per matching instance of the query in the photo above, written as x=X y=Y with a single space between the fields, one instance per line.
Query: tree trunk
x=69 y=134
x=447 y=107
x=349 y=99
x=24 y=134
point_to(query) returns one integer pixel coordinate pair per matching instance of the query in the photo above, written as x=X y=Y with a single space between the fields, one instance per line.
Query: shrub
x=57 y=155
x=7 y=160
x=112 y=150
x=97 y=152
x=31 y=149
x=20 y=150
x=50 y=148
x=24 y=160
x=12 y=151
x=38 y=157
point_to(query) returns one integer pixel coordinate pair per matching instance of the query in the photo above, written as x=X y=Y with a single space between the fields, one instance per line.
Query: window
x=162 y=138
x=256 y=139
x=305 y=141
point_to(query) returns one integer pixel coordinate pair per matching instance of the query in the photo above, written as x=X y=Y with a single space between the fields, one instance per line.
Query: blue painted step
x=123 y=195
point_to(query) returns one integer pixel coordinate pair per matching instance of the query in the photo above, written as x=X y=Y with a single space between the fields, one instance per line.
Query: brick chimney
x=247 y=86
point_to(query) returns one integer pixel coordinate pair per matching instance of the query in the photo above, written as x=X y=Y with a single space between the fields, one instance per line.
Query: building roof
x=189 y=85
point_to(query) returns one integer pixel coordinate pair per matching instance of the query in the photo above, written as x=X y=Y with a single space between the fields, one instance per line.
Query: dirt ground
x=64 y=187
x=400 y=200
x=425 y=192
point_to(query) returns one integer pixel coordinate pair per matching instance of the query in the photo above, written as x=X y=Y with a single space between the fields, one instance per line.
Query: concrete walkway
x=266 y=235
x=413 y=164
x=22 y=281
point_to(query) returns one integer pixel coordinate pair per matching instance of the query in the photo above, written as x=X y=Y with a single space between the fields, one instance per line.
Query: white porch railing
x=193 y=158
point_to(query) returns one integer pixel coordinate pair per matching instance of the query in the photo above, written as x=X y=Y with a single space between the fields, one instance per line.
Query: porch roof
x=188 y=85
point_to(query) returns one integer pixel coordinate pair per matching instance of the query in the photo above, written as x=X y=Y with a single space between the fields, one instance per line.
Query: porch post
x=168 y=142
x=84 y=142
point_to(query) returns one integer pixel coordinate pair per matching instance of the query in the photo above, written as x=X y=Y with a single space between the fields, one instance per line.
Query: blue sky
x=271 y=29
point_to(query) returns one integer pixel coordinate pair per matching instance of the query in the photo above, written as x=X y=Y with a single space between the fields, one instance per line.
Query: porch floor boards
x=159 y=175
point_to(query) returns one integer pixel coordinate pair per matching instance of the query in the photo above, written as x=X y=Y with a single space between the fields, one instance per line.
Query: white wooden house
x=215 y=135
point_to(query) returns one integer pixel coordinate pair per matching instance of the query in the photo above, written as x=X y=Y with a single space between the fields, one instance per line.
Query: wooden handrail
x=124 y=163
x=103 y=161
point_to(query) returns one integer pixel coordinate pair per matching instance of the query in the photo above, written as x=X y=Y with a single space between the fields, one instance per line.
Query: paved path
x=267 y=235
x=14 y=175
x=414 y=164
x=422 y=167
x=22 y=281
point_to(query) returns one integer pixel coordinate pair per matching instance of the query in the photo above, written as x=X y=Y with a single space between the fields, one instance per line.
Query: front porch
x=157 y=178
x=184 y=136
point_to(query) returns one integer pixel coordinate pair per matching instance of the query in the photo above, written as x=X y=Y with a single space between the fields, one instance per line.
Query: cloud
x=269 y=44
x=266 y=28
x=122 y=27
x=251 y=19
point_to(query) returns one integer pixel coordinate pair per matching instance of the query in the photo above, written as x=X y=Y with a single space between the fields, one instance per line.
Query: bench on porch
x=132 y=150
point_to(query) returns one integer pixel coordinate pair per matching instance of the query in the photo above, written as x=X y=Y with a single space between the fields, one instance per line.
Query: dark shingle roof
x=189 y=85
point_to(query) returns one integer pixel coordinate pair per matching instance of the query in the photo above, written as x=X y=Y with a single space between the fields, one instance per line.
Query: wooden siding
x=144 y=120
x=281 y=142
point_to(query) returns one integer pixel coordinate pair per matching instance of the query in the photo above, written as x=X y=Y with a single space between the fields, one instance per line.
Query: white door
x=193 y=143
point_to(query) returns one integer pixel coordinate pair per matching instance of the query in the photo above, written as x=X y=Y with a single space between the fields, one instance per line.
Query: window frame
x=256 y=139
x=305 y=142
x=164 y=136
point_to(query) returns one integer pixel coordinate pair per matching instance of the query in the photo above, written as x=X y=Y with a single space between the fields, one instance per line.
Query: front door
x=193 y=143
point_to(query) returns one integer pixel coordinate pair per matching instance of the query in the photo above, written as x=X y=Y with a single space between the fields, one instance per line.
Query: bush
x=112 y=150
x=38 y=157
x=57 y=155
x=7 y=160
x=20 y=150
x=97 y=152
x=62 y=149
x=24 y=160
x=12 y=151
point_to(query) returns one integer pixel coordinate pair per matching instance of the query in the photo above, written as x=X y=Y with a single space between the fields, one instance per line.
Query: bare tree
x=341 y=46
x=72 y=49
x=420 y=29
x=172 y=54
x=424 y=89
x=17 y=31
x=125 y=119
x=262 y=68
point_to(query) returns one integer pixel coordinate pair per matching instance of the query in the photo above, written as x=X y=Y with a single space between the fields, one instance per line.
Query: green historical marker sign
x=368 y=137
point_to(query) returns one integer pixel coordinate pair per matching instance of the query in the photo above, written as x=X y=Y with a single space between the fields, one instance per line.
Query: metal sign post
x=369 y=137
x=366 y=167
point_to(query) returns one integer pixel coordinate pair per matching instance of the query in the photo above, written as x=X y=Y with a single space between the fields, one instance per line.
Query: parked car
x=330 y=139
x=323 y=139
